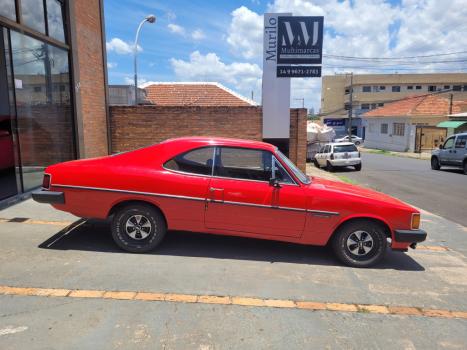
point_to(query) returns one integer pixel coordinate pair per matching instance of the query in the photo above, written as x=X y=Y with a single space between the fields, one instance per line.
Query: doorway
x=8 y=178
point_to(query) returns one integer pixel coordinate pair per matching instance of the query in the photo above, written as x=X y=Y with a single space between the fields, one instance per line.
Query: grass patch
x=378 y=151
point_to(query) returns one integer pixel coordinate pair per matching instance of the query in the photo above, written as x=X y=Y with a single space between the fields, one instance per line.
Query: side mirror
x=441 y=146
x=274 y=182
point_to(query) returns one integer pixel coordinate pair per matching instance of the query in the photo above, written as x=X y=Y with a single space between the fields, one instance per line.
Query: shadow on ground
x=96 y=236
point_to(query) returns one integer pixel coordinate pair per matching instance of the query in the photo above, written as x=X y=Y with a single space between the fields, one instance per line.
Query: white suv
x=340 y=154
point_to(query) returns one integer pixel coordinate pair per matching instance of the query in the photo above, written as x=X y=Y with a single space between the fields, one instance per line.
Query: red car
x=228 y=187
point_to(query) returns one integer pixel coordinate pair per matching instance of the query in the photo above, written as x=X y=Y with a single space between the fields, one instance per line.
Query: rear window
x=198 y=161
x=345 y=148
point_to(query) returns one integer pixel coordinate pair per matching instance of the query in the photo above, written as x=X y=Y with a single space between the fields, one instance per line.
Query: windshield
x=345 y=148
x=297 y=172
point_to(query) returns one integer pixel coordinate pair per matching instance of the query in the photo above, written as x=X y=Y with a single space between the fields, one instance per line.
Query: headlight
x=415 y=223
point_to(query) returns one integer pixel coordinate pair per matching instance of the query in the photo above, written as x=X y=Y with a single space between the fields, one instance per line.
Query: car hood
x=355 y=191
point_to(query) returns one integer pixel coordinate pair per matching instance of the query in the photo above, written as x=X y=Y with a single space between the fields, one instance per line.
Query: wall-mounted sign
x=334 y=122
x=300 y=40
x=298 y=71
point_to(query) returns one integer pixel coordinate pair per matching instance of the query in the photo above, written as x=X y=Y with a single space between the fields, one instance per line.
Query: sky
x=222 y=40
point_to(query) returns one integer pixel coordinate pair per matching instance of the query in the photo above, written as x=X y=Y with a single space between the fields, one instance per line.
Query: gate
x=428 y=138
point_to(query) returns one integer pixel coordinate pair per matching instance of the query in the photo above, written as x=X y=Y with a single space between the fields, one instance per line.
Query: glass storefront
x=36 y=116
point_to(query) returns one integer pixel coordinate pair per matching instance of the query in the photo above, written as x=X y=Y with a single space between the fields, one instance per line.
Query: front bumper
x=410 y=236
x=50 y=197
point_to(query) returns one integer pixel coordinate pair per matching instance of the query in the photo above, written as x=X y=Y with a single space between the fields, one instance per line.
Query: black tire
x=358 y=167
x=435 y=163
x=315 y=162
x=148 y=233
x=329 y=166
x=347 y=237
x=465 y=167
x=357 y=143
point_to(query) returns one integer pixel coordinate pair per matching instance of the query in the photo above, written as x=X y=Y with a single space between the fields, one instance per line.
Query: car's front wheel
x=315 y=162
x=435 y=163
x=465 y=167
x=138 y=228
x=360 y=243
x=357 y=143
x=329 y=166
x=358 y=167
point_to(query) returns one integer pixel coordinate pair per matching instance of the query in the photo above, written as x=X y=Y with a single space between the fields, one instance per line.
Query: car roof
x=341 y=143
x=200 y=141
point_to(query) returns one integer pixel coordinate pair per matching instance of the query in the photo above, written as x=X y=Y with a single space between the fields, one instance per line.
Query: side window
x=198 y=161
x=461 y=141
x=281 y=174
x=449 y=142
x=243 y=163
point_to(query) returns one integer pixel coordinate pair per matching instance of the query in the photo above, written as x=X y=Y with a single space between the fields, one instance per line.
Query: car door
x=241 y=199
x=445 y=154
x=458 y=152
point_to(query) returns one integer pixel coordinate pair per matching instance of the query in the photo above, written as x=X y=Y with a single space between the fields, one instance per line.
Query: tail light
x=46 y=181
x=332 y=155
x=415 y=224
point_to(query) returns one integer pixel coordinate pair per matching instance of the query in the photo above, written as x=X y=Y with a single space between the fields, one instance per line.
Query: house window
x=464 y=87
x=384 y=128
x=382 y=87
x=373 y=105
x=410 y=87
x=365 y=106
x=398 y=129
x=380 y=104
x=456 y=88
x=418 y=87
x=447 y=87
x=366 y=89
x=431 y=88
x=396 y=89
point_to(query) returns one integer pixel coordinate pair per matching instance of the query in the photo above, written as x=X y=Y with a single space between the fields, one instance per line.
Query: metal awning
x=451 y=124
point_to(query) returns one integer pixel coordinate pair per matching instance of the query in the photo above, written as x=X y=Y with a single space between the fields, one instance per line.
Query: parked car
x=452 y=153
x=335 y=155
x=228 y=187
x=355 y=140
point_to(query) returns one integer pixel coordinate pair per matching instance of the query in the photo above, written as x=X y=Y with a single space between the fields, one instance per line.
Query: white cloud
x=131 y=81
x=120 y=47
x=175 y=28
x=243 y=77
x=246 y=33
x=198 y=34
x=111 y=65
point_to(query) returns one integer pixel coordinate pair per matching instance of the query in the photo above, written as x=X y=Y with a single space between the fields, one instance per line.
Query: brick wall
x=138 y=126
x=91 y=78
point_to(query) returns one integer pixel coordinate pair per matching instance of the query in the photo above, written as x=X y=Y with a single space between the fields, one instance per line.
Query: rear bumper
x=345 y=162
x=50 y=197
x=410 y=236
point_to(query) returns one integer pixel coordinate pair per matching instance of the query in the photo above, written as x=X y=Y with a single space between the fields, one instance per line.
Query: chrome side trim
x=322 y=212
x=255 y=205
x=132 y=192
x=313 y=212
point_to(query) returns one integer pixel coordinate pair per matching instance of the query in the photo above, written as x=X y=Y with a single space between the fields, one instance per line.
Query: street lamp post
x=150 y=19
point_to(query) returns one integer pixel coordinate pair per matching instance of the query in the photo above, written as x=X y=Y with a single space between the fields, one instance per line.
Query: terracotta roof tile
x=426 y=105
x=194 y=94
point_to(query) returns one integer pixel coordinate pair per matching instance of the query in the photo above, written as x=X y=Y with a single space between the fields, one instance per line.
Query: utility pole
x=450 y=103
x=349 y=131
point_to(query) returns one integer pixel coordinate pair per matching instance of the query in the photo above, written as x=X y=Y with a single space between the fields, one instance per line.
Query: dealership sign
x=292 y=48
x=300 y=40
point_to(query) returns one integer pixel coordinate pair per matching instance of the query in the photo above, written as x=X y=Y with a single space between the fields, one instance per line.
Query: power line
x=394 y=58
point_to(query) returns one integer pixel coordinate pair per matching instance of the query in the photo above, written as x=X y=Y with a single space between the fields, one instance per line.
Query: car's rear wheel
x=138 y=228
x=360 y=243
x=435 y=163
x=358 y=167
x=465 y=167
x=329 y=166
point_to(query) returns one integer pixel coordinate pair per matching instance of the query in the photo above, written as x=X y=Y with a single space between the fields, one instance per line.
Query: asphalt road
x=441 y=192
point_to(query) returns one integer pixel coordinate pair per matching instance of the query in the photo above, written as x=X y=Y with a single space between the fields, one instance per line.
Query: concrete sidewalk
x=242 y=275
